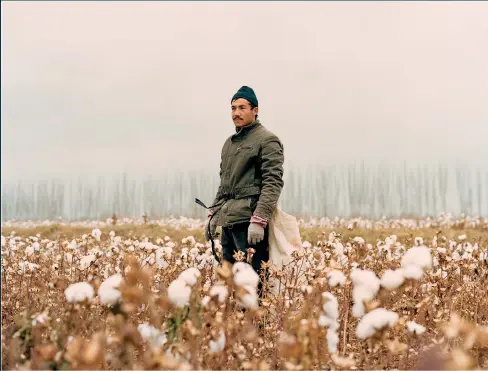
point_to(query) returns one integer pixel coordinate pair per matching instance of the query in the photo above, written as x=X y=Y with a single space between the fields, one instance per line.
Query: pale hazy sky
x=92 y=87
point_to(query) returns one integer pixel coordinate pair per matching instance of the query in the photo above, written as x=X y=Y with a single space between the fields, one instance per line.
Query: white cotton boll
x=152 y=335
x=306 y=289
x=360 y=294
x=219 y=344
x=331 y=306
x=375 y=320
x=190 y=276
x=413 y=272
x=366 y=278
x=436 y=261
x=415 y=328
x=246 y=277
x=26 y=266
x=240 y=266
x=441 y=250
x=147 y=246
x=336 y=278
x=462 y=237
x=96 y=233
x=4 y=241
x=41 y=318
x=392 y=279
x=194 y=252
x=205 y=300
x=354 y=265
x=160 y=260
x=29 y=250
x=184 y=252
x=418 y=255
x=221 y=291
x=358 y=240
x=338 y=249
x=179 y=293
x=86 y=261
x=456 y=256
x=78 y=292
x=306 y=245
x=332 y=340
x=250 y=299
x=325 y=321
x=108 y=293
x=358 y=309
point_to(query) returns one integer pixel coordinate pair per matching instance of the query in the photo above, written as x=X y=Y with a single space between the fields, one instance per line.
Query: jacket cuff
x=258 y=220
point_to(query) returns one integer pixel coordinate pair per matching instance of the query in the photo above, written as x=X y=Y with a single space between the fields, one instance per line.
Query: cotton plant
x=218 y=344
x=365 y=287
x=79 y=292
x=96 y=234
x=108 y=291
x=329 y=318
x=156 y=338
x=336 y=278
x=247 y=280
x=415 y=328
x=179 y=291
x=374 y=321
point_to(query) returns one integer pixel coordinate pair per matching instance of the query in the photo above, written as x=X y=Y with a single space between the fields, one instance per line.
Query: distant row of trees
x=341 y=190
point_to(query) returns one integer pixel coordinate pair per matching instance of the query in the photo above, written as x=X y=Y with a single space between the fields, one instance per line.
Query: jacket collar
x=245 y=129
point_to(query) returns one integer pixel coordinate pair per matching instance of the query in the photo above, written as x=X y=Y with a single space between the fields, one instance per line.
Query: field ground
x=164 y=305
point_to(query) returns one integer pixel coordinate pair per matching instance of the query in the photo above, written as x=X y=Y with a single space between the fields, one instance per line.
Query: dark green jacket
x=251 y=175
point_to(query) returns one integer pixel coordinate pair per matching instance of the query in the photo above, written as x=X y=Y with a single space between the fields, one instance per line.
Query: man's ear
x=256 y=110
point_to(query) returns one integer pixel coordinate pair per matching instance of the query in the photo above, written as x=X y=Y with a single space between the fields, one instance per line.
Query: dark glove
x=255 y=234
x=213 y=228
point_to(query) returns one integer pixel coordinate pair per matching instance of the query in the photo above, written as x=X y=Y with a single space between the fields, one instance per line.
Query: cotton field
x=360 y=294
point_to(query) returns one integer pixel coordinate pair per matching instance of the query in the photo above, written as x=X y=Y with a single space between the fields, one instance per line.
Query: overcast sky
x=92 y=87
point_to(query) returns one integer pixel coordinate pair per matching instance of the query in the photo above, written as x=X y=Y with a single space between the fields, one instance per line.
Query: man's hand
x=255 y=234
x=213 y=228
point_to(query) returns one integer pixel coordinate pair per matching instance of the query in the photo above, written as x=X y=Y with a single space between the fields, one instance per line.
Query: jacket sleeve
x=217 y=196
x=272 y=158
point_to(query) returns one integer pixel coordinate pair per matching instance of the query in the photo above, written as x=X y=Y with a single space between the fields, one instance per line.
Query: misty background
x=123 y=107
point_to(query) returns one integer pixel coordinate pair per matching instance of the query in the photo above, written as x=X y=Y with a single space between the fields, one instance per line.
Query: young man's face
x=242 y=114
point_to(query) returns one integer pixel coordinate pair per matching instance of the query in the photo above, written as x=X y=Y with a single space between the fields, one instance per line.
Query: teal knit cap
x=247 y=93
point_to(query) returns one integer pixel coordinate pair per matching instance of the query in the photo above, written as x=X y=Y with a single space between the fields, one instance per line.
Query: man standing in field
x=251 y=180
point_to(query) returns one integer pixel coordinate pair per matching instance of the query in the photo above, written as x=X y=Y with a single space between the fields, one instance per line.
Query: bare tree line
x=336 y=190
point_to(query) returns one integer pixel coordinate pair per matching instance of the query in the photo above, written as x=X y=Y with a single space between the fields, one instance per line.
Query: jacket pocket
x=239 y=210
